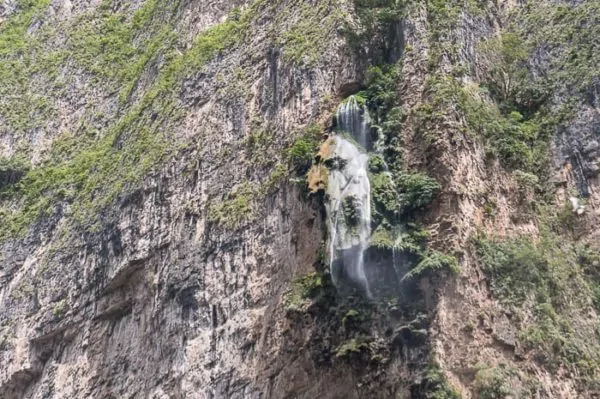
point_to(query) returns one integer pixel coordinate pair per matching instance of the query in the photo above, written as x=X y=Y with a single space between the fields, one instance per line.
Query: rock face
x=158 y=239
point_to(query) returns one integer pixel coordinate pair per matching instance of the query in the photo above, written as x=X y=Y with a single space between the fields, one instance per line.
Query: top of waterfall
x=353 y=118
x=358 y=99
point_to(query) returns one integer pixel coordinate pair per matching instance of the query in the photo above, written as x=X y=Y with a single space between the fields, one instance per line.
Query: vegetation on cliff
x=94 y=104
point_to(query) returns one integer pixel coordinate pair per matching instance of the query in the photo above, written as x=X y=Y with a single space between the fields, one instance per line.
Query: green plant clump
x=302 y=152
x=303 y=290
x=235 y=209
x=548 y=281
x=494 y=383
x=433 y=261
x=306 y=41
x=351 y=347
x=434 y=385
x=416 y=190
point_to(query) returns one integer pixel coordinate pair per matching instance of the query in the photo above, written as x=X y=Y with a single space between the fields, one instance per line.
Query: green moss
x=383 y=238
x=352 y=318
x=60 y=308
x=28 y=71
x=257 y=145
x=14 y=35
x=116 y=48
x=235 y=209
x=303 y=290
x=274 y=180
x=309 y=37
x=408 y=239
x=92 y=169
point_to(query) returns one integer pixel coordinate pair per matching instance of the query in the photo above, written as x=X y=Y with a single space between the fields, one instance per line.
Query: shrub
x=494 y=383
x=303 y=290
x=433 y=261
x=434 y=385
x=303 y=150
x=504 y=58
x=380 y=89
x=352 y=346
x=384 y=198
x=376 y=164
x=417 y=191
x=301 y=154
x=234 y=209
x=516 y=268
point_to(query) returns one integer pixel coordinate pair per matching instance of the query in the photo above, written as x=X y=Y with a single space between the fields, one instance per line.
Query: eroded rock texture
x=158 y=239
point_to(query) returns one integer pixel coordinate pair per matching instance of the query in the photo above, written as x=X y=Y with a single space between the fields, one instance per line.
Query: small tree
x=503 y=65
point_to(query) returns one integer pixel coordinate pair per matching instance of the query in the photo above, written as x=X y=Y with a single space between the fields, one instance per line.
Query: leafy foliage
x=303 y=290
x=352 y=346
x=380 y=91
x=434 y=385
x=416 y=190
x=303 y=150
x=546 y=279
x=505 y=57
x=432 y=261
x=384 y=197
x=494 y=383
x=235 y=209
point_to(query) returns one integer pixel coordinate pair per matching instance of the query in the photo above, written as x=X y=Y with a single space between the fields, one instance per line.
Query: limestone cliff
x=168 y=172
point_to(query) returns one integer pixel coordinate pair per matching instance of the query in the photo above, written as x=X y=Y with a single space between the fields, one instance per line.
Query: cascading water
x=349 y=212
x=349 y=196
x=354 y=118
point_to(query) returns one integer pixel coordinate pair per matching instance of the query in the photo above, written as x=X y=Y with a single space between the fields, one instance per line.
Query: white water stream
x=349 y=191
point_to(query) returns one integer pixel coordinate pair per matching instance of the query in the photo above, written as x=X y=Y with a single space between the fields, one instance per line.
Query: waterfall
x=354 y=118
x=349 y=196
